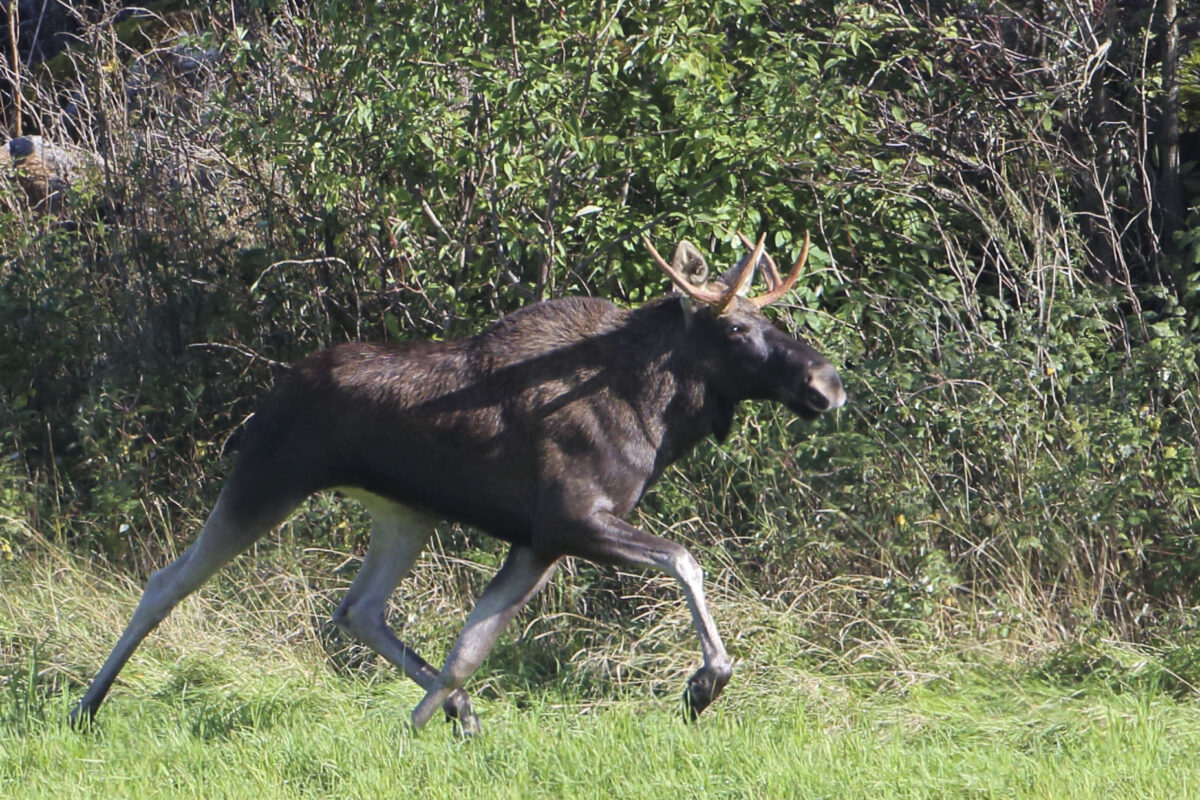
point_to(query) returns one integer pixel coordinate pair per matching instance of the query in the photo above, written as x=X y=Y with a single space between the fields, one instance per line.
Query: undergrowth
x=591 y=636
x=1017 y=339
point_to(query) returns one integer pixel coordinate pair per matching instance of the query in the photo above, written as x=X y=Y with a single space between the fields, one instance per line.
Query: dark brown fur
x=471 y=429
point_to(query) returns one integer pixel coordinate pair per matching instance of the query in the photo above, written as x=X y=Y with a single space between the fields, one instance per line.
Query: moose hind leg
x=226 y=533
x=398 y=535
x=520 y=577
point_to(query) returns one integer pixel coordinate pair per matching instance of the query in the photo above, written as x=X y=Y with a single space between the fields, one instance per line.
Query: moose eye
x=735 y=328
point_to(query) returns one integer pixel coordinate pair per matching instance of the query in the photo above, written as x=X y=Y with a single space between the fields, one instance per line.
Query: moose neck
x=684 y=404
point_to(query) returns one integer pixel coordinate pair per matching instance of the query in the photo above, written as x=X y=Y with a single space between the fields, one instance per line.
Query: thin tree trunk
x=15 y=69
x=1170 y=192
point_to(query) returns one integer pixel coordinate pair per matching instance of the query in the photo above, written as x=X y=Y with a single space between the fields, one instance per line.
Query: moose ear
x=689 y=262
x=734 y=273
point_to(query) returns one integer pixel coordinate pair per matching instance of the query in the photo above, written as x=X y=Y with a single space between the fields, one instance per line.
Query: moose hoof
x=458 y=711
x=703 y=687
x=81 y=718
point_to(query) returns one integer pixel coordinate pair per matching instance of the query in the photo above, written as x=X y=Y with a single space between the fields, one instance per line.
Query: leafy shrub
x=1022 y=370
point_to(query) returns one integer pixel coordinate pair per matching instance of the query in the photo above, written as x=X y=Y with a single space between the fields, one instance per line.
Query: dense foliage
x=1005 y=268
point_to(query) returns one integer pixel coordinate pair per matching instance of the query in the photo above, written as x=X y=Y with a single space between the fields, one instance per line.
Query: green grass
x=233 y=699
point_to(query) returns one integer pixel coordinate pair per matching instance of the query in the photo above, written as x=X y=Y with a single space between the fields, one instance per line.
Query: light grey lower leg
x=520 y=577
x=707 y=682
x=398 y=535
x=690 y=577
x=217 y=543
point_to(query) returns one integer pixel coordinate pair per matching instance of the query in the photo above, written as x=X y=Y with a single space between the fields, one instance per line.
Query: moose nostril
x=825 y=382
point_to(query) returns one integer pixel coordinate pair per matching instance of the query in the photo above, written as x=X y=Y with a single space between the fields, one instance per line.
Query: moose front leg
x=608 y=539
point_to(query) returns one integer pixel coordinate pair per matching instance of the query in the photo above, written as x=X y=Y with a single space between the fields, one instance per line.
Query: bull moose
x=544 y=430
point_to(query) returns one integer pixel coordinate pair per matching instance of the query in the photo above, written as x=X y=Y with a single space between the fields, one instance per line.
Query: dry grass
x=595 y=635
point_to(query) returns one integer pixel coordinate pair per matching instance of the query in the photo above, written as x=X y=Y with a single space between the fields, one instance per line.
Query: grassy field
x=234 y=698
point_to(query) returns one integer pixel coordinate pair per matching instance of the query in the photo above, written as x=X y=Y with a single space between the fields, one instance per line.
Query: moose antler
x=719 y=299
x=779 y=286
x=772 y=272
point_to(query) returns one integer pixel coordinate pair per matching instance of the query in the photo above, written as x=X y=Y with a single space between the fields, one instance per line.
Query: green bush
x=1023 y=416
